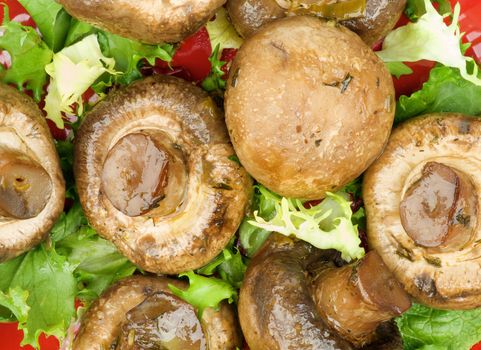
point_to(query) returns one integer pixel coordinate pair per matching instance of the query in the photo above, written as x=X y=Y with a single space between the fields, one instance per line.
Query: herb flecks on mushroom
x=32 y=189
x=154 y=176
x=140 y=313
x=150 y=21
x=308 y=106
x=294 y=296
x=422 y=204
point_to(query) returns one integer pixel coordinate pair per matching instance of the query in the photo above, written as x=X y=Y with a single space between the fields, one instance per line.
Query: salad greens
x=215 y=81
x=73 y=70
x=326 y=225
x=425 y=328
x=430 y=39
x=29 y=55
x=222 y=33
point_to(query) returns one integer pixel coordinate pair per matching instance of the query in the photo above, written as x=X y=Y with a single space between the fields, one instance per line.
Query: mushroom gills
x=144 y=174
x=440 y=208
x=25 y=186
x=162 y=321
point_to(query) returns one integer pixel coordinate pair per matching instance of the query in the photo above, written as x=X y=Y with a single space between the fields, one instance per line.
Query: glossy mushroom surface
x=370 y=19
x=294 y=297
x=141 y=313
x=32 y=188
x=154 y=175
x=308 y=106
x=422 y=202
x=150 y=21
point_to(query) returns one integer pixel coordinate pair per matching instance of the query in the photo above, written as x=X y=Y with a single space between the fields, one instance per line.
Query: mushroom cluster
x=309 y=106
x=370 y=19
x=141 y=313
x=293 y=296
x=154 y=175
x=422 y=202
x=150 y=21
x=32 y=188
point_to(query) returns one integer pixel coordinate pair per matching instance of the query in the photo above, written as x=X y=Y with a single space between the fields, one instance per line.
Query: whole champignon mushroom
x=150 y=21
x=308 y=106
x=293 y=298
x=154 y=175
x=371 y=19
x=32 y=188
x=139 y=312
x=422 y=201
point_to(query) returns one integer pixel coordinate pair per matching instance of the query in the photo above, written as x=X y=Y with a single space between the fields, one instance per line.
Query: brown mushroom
x=32 y=188
x=308 y=106
x=154 y=175
x=294 y=297
x=422 y=202
x=150 y=21
x=371 y=19
x=141 y=313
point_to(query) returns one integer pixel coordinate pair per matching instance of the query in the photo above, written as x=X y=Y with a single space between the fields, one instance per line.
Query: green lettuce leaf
x=430 y=39
x=416 y=8
x=52 y=21
x=205 y=292
x=445 y=91
x=128 y=55
x=214 y=81
x=398 y=69
x=326 y=225
x=222 y=33
x=15 y=301
x=29 y=56
x=425 y=328
x=73 y=70
x=253 y=237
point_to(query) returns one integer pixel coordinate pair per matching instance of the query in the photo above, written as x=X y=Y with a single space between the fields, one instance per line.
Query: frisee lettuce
x=73 y=70
x=416 y=8
x=29 y=55
x=326 y=225
x=205 y=292
x=430 y=39
x=215 y=82
x=425 y=328
x=222 y=33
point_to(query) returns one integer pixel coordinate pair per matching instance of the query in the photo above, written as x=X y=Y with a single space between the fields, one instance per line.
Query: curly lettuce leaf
x=29 y=56
x=73 y=70
x=222 y=33
x=416 y=8
x=398 y=69
x=204 y=292
x=52 y=21
x=214 y=81
x=14 y=301
x=431 y=39
x=326 y=225
x=445 y=91
x=425 y=328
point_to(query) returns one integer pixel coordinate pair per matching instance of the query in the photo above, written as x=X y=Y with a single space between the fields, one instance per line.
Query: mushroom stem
x=25 y=186
x=440 y=208
x=356 y=299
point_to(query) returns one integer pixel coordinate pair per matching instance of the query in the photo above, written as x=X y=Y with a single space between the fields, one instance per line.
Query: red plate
x=191 y=62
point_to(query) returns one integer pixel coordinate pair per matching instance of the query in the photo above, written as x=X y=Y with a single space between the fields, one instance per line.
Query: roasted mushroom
x=308 y=106
x=150 y=21
x=293 y=298
x=371 y=19
x=422 y=200
x=140 y=312
x=154 y=175
x=32 y=188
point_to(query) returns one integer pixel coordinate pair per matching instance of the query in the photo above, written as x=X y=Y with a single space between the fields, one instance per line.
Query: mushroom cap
x=380 y=16
x=440 y=277
x=276 y=310
x=150 y=21
x=308 y=106
x=102 y=323
x=213 y=197
x=24 y=132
